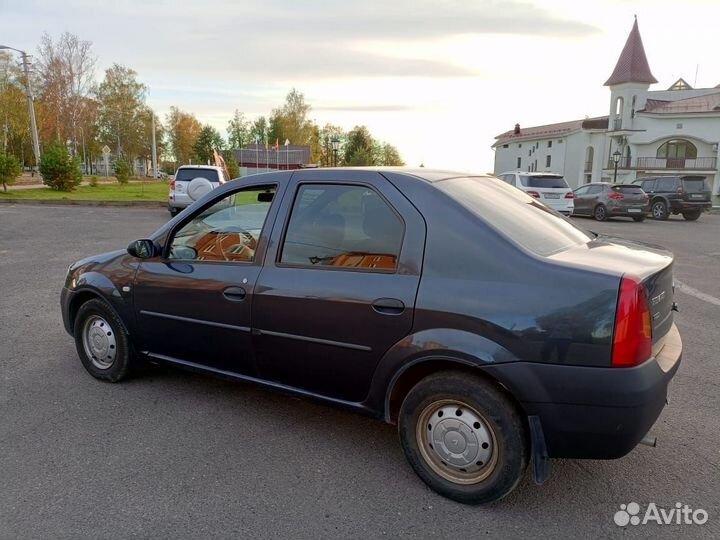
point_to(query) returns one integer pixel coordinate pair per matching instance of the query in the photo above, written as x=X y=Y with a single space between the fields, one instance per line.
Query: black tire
x=638 y=219
x=692 y=215
x=600 y=213
x=173 y=212
x=660 y=210
x=503 y=426
x=103 y=320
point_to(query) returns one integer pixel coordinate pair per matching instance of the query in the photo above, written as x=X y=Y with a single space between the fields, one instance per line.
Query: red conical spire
x=632 y=66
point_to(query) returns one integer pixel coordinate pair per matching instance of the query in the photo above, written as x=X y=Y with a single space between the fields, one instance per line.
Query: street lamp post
x=335 y=142
x=31 y=107
x=616 y=159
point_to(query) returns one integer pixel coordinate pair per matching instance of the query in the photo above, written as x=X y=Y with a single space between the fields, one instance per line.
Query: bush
x=59 y=169
x=10 y=169
x=93 y=181
x=123 y=170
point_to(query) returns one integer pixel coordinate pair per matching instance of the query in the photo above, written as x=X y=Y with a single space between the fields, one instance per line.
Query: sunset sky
x=438 y=79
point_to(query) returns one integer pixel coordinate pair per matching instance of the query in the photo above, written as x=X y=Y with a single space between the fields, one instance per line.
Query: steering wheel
x=242 y=243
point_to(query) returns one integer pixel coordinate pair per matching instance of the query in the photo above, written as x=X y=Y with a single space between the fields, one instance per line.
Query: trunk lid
x=653 y=265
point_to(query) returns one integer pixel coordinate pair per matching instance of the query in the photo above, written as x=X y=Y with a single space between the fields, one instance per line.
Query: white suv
x=550 y=189
x=191 y=183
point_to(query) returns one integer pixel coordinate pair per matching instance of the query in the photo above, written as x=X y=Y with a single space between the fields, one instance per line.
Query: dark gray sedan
x=603 y=200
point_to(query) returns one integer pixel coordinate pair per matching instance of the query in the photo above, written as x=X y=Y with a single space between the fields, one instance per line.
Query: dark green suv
x=686 y=195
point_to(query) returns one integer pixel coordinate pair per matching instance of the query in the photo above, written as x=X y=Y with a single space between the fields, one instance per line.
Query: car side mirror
x=142 y=249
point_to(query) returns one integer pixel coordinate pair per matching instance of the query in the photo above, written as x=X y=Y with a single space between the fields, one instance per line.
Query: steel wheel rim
x=461 y=448
x=658 y=210
x=99 y=342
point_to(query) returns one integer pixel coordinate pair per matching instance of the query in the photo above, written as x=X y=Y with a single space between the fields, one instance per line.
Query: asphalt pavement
x=178 y=455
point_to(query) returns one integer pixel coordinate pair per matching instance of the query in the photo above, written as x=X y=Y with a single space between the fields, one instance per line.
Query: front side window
x=227 y=231
x=342 y=226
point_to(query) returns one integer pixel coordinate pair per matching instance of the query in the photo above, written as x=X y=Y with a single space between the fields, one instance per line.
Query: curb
x=71 y=202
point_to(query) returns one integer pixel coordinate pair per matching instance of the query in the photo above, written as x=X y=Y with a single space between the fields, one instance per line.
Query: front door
x=193 y=303
x=339 y=283
x=581 y=200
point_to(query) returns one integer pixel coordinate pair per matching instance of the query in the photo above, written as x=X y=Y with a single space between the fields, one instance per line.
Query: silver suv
x=191 y=182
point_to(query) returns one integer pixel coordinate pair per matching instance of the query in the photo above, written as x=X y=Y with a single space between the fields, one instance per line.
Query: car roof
x=419 y=173
x=528 y=173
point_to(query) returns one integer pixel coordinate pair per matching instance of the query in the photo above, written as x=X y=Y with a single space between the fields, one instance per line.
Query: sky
x=439 y=79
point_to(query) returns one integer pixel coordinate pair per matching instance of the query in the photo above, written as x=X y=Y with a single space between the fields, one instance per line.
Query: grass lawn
x=148 y=191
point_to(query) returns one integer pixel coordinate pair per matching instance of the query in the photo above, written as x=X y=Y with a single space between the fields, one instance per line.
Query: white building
x=657 y=132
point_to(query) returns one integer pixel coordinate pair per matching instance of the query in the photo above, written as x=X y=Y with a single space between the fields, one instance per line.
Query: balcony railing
x=617 y=124
x=703 y=163
x=588 y=166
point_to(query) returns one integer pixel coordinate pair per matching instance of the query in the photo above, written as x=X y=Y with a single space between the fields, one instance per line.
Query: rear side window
x=342 y=226
x=594 y=190
x=666 y=184
x=190 y=174
x=544 y=181
x=515 y=214
x=695 y=184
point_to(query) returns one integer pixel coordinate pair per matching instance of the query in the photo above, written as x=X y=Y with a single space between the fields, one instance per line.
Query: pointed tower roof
x=632 y=66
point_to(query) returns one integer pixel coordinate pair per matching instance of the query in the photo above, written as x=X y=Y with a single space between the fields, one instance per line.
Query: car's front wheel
x=101 y=341
x=464 y=437
x=660 y=210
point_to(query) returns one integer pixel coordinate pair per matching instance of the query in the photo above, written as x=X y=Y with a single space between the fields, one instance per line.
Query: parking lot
x=179 y=455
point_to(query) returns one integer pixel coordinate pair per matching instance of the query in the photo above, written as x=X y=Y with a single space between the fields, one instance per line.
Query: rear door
x=695 y=189
x=339 y=283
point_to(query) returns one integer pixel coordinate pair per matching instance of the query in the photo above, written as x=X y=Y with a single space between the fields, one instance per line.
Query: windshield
x=518 y=216
x=544 y=181
x=190 y=174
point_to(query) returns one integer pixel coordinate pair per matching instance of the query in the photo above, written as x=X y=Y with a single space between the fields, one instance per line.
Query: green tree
x=122 y=113
x=10 y=169
x=123 y=170
x=58 y=168
x=292 y=122
x=14 y=123
x=238 y=131
x=259 y=131
x=360 y=148
x=232 y=164
x=389 y=156
x=208 y=140
x=182 y=130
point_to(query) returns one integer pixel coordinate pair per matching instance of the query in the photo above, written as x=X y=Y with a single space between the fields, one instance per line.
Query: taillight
x=646 y=195
x=172 y=185
x=616 y=195
x=569 y=195
x=533 y=194
x=632 y=338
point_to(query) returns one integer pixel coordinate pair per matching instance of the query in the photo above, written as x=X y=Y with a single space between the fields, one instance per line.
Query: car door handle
x=234 y=294
x=388 y=306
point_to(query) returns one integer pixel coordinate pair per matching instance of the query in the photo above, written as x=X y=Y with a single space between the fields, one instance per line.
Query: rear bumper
x=591 y=412
x=628 y=211
x=681 y=206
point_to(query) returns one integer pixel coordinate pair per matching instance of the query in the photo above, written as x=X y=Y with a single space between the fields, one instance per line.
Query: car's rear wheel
x=600 y=213
x=660 y=210
x=101 y=341
x=692 y=215
x=463 y=437
x=638 y=219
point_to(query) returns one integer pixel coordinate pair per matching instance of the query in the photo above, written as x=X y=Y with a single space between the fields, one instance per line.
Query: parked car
x=489 y=328
x=603 y=200
x=686 y=195
x=191 y=182
x=550 y=189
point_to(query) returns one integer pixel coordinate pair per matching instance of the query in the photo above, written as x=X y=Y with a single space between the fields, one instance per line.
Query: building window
x=560 y=141
x=678 y=126
x=505 y=145
x=677 y=149
x=619 y=102
x=549 y=144
x=520 y=145
x=548 y=160
x=519 y=162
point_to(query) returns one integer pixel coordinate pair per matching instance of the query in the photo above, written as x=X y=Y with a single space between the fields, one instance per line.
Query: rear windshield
x=632 y=190
x=515 y=214
x=695 y=184
x=189 y=174
x=544 y=181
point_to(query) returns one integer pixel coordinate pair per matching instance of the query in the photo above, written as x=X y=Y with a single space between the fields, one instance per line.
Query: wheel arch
x=84 y=295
